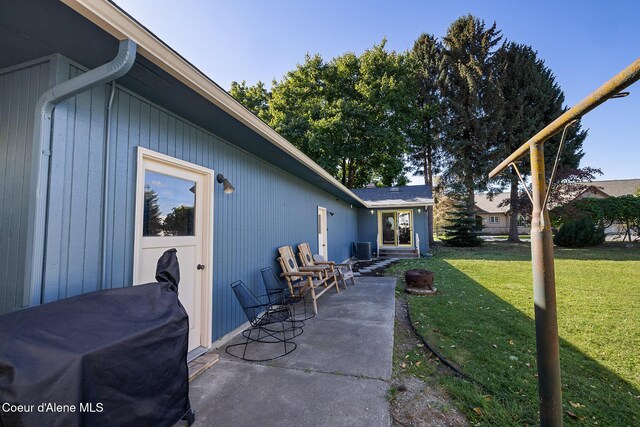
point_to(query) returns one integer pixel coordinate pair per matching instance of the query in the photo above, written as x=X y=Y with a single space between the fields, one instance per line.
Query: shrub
x=578 y=233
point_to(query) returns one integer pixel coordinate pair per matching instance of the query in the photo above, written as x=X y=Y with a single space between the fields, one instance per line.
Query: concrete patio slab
x=335 y=377
x=241 y=394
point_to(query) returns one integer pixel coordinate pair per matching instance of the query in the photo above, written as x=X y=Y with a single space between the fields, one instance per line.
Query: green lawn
x=482 y=320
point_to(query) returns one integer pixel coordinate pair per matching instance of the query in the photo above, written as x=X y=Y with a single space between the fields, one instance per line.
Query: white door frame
x=323 y=227
x=207 y=230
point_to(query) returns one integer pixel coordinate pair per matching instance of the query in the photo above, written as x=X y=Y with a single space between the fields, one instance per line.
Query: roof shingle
x=616 y=187
x=396 y=196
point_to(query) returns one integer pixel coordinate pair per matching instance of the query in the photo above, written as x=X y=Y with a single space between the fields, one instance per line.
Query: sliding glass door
x=395 y=228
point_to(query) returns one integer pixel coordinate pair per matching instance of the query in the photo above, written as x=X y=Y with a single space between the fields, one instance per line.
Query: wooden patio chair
x=345 y=272
x=303 y=279
x=307 y=260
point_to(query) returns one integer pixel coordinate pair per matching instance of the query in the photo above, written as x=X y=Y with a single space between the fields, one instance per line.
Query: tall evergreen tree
x=474 y=104
x=531 y=99
x=152 y=216
x=424 y=132
x=530 y=96
x=428 y=112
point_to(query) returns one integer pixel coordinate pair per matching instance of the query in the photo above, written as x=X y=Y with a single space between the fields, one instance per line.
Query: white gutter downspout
x=105 y=189
x=39 y=187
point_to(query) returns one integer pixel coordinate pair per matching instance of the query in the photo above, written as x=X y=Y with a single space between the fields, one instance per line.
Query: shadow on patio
x=337 y=375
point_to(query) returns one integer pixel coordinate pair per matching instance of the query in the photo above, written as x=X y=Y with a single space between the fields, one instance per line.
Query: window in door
x=169 y=205
x=388 y=228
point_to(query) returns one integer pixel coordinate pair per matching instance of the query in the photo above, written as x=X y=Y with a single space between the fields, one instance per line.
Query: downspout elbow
x=36 y=225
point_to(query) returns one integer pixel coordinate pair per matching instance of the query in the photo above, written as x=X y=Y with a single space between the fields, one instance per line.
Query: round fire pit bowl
x=419 y=282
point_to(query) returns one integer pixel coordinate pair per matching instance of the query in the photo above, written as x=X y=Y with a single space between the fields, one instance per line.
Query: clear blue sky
x=584 y=42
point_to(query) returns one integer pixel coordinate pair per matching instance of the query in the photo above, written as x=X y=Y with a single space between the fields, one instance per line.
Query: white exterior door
x=322 y=233
x=173 y=210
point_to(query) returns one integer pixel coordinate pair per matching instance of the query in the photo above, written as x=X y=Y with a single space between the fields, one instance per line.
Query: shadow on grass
x=494 y=343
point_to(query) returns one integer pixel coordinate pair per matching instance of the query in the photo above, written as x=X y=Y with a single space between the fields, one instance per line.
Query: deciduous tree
x=255 y=98
x=349 y=114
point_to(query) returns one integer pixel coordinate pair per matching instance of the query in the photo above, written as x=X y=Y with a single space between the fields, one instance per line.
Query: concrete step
x=399 y=253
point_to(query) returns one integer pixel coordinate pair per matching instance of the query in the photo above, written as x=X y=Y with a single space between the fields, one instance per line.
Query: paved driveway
x=336 y=377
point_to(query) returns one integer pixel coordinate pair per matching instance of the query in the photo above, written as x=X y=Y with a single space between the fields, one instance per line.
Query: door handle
x=200 y=267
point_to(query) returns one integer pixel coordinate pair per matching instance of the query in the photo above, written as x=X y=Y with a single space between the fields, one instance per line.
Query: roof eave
x=374 y=205
x=120 y=25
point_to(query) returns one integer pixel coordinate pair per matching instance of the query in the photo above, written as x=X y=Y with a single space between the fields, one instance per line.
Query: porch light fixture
x=419 y=210
x=228 y=188
x=332 y=213
x=371 y=211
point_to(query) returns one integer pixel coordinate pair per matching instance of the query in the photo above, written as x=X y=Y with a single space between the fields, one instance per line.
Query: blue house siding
x=368 y=226
x=269 y=208
x=20 y=88
x=73 y=245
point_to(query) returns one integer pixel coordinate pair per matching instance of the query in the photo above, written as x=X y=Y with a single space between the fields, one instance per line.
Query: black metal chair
x=264 y=319
x=278 y=293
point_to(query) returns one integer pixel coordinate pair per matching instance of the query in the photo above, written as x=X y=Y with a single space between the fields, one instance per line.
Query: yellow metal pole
x=544 y=297
x=544 y=286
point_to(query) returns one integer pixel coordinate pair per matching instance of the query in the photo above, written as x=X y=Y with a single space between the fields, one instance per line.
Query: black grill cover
x=120 y=353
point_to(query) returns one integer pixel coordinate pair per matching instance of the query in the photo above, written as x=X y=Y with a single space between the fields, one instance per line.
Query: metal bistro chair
x=264 y=318
x=279 y=294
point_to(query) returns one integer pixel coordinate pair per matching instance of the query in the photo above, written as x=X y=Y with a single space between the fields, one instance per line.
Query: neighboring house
x=611 y=188
x=99 y=178
x=396 y=217
x=495 y=218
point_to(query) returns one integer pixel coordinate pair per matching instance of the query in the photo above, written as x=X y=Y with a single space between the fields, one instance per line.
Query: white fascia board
x=114 y=21
x=375 y=205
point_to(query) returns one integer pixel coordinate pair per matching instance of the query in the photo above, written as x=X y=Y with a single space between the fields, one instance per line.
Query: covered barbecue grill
x=113 y=357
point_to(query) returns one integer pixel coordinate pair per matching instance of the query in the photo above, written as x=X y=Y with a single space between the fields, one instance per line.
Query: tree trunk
x=471 y=201
x=428 y=180
x=344 y=171
x=628 y=233
x=425 y=165
x=429 y=171
x=430 y=225
x=513 y=211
